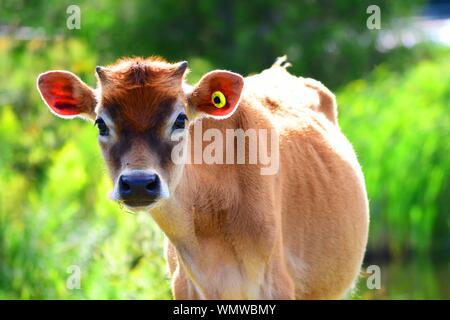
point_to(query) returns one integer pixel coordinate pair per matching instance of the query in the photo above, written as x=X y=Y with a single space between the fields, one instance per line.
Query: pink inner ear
x=59 y=96
x=231 y=88
x=65 y=108
x=212 y=110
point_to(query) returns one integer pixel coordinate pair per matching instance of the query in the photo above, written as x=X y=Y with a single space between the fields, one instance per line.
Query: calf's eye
x=102 y=127
x=180 y=122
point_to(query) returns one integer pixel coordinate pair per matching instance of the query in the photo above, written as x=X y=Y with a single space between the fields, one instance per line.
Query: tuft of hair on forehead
x=140 y=92
x=129 y=73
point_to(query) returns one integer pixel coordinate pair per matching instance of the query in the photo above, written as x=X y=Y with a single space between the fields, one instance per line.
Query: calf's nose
x=139 y=188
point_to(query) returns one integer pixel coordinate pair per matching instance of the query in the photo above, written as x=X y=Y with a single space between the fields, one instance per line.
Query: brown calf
x=232 y=232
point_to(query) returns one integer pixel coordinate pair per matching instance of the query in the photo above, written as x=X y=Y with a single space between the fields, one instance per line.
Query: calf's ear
x=66 y=95
x=217 y=94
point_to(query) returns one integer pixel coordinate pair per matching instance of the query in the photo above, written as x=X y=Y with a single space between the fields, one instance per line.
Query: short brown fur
x=233 y=233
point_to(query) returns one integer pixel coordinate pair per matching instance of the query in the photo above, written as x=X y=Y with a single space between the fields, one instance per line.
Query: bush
x=327 y=40
x=399 y=124
x=54 y=209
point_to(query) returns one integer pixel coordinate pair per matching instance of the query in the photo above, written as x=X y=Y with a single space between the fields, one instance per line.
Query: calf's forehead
x=139 y=93
x=138 y=109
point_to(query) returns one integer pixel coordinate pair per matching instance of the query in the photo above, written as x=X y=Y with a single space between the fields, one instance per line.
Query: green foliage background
x=54 y=209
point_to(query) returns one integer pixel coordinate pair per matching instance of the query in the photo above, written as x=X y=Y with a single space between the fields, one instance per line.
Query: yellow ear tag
x=218 y=99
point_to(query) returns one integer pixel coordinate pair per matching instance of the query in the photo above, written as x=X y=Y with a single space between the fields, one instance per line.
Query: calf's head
x=140 y=106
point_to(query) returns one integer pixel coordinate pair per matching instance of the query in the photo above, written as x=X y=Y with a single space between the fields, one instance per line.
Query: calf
x=232 y=232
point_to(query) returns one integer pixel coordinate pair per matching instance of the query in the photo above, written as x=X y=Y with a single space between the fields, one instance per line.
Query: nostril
x=153 y=183
x=124 y=186
x=150 y=186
